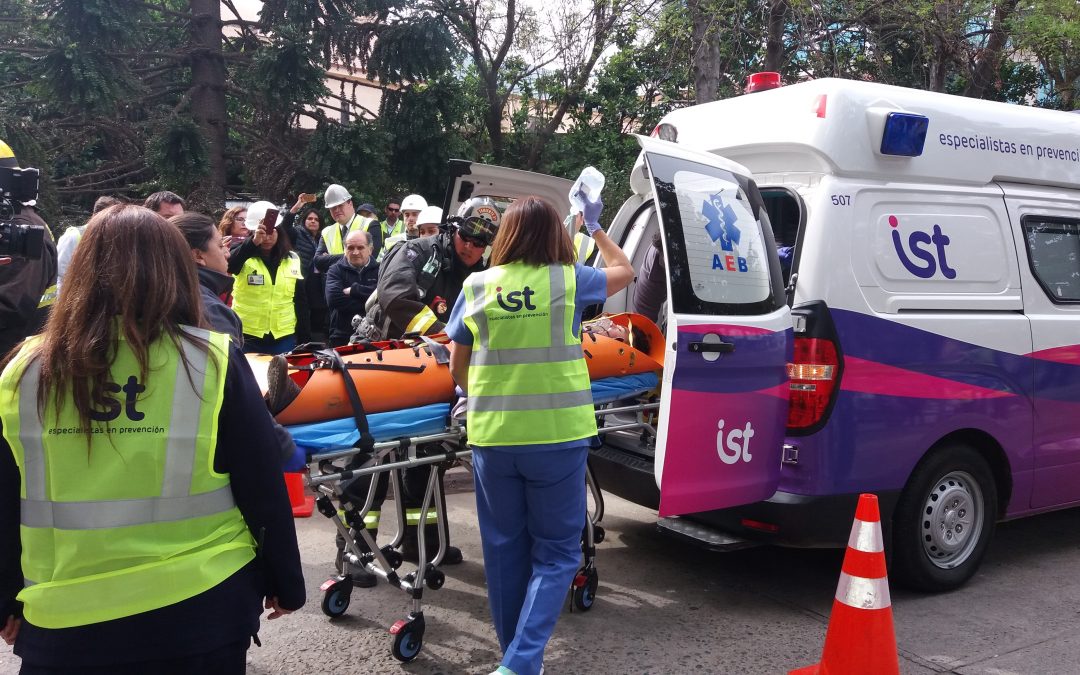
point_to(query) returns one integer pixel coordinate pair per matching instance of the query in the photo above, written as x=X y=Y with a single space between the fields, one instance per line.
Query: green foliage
x=105 y=95
x=178 y=154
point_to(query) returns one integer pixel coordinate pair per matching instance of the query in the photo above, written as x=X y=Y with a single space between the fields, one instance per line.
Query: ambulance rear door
x=724 y=400
x=504 y=185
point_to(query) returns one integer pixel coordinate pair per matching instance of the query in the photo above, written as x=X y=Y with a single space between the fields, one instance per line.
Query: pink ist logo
x=919 y=242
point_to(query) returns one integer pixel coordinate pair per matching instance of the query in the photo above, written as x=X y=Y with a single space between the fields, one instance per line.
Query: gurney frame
x=393 y=457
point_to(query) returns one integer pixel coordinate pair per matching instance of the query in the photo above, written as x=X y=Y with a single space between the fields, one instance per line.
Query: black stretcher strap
x=390 y=367
x=365 y=442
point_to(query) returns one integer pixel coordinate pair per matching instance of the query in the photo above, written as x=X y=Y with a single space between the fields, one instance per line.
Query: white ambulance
x=869 y=289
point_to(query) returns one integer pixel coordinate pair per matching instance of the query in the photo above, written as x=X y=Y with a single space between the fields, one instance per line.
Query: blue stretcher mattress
x=431 y=419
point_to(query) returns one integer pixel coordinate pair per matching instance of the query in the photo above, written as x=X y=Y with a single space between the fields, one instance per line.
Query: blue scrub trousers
x=531 y=509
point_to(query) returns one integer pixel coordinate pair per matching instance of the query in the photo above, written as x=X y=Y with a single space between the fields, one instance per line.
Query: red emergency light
x=762 y=81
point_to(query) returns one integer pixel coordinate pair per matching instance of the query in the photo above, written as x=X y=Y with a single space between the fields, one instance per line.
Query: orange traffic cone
x=302 y=505
x=861 y=638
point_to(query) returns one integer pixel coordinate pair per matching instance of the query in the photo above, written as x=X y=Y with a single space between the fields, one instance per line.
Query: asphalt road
x=667 y=607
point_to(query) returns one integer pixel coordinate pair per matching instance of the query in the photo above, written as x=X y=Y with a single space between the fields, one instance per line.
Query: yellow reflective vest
x=528 y=382
x=584 y=248
x=125 y=515
x=53 y=291
x=331 y=236
x=265 y=305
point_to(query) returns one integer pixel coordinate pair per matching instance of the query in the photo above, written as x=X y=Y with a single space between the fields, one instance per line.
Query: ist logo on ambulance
x=728 y=446
x=721 y=228
x=916 y=241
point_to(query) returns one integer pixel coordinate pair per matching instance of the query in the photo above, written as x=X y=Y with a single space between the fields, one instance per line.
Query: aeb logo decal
x=720 y=226
x=919 y=242
x=515 y=300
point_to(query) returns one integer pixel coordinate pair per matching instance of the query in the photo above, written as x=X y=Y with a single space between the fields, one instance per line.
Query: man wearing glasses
x=349 y=283
x=393 y=223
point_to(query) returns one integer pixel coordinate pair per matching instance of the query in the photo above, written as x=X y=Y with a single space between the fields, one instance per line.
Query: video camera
x=16 y=187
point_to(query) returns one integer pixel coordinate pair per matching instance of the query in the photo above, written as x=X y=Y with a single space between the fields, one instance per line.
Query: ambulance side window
x=1053 y=246
x=786 y=217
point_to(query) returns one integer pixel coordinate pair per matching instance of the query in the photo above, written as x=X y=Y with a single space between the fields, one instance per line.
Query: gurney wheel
x=336 y=599
x=408 y=639
x=585 y=588
x=393 y=556
x=434 y=579
x=597 y=534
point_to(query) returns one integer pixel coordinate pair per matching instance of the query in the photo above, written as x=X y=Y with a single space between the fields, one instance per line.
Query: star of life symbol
x=721 y=226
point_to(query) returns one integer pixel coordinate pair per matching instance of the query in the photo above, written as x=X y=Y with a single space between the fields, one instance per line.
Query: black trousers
x=228 y=660
x=414 y=484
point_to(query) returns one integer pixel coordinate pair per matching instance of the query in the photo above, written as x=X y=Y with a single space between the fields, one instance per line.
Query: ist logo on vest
x=112 y=405
x=515 y=300
x=916 y=240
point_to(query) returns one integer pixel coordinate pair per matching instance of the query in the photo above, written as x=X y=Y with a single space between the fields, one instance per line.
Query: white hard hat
x=429 y=214
x=255 y=214
x=335 y=195
x=413 y=203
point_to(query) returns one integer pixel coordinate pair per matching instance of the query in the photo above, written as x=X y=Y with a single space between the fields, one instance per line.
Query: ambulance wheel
x=585 y=592
x=336 y=599
x=408 y=640
x=434 y=579
x=944 y=520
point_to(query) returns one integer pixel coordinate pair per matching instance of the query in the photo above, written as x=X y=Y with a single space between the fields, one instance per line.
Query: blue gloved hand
x=458 y=391
x=591 y=211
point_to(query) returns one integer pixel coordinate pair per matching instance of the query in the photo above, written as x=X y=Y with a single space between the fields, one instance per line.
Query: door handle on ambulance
x=712 y=347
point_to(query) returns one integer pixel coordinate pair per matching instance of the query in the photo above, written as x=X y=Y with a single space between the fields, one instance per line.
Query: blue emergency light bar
x=904 y=135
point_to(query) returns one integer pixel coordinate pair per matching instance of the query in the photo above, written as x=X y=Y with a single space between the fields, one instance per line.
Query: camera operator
x=27 y=282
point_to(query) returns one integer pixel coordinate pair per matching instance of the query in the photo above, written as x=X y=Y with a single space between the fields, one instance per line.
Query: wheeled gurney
x=423 y=435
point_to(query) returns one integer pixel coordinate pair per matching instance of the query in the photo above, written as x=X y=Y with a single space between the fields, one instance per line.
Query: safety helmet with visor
x=478 y=219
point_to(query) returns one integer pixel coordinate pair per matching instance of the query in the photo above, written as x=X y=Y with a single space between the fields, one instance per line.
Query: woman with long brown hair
x=517 y=353
x=137 y=473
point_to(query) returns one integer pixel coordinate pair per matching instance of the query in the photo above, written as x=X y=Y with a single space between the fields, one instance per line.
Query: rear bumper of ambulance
x=785 y=519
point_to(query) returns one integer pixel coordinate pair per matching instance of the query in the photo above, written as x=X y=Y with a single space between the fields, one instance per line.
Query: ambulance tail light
x=813 y=375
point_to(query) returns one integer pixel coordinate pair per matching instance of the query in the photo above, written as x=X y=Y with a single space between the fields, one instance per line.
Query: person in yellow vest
x=331 y=245
x=268 y=293
x=144 y=522
x=517 y=354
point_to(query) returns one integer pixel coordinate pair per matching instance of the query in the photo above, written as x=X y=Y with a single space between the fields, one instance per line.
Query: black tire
x=407 y=643
x=336 y=599
x=585 y=596
x=434 y=579
x=944 y=520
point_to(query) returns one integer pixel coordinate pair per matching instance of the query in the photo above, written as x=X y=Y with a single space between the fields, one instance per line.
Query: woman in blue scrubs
x=517 y=353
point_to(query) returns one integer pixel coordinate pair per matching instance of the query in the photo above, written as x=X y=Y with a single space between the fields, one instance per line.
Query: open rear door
x=504 y=185
x=725 y=392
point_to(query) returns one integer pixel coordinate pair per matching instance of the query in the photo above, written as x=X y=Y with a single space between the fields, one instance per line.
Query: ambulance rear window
x=1053 y=246
x=719 y=257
